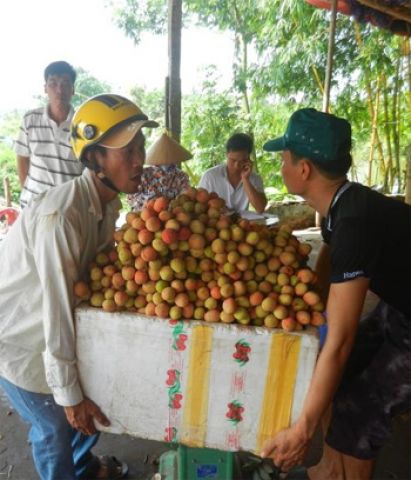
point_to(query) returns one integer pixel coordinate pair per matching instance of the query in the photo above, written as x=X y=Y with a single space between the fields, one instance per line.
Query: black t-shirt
x=369 y=236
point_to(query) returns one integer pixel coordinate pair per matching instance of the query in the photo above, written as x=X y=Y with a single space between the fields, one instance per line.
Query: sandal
x=105 y=468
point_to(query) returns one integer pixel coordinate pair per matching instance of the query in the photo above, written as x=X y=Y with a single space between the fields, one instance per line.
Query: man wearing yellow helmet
x=44 y=254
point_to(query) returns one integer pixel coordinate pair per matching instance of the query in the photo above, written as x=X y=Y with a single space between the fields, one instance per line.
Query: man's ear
x=90 y=161
x=87 y=156
x=306 y=168
x=90 y=157
x=97 y=157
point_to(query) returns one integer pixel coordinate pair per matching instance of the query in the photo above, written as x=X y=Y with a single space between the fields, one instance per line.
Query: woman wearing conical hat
x=162 y=176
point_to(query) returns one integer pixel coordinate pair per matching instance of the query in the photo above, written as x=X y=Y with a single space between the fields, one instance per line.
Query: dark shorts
x=375 y=387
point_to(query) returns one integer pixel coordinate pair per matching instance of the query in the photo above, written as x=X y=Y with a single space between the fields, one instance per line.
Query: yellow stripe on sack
x=279 y=386
x=196 y=398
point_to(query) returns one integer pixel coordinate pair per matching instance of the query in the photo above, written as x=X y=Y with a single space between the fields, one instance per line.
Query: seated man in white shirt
x=235 y=181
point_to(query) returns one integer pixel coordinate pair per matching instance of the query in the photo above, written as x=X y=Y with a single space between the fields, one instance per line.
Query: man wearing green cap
x=363 y=368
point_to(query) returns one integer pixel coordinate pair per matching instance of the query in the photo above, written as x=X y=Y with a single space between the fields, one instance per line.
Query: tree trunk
x=318 y=79
x=166 y=103
x=396 y=120
x=388 y=176
x=6 y=188
x=408 y=179
x=245 y=73
x=407 y=50
x=370 y=101
x=330 y=57
x=374 y=133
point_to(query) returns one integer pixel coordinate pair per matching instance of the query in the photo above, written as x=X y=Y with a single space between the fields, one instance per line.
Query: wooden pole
x=408 y=179
x=174 y=61
x=328 y=73
x=166 y=101
x=6 y=188
x=330 y=55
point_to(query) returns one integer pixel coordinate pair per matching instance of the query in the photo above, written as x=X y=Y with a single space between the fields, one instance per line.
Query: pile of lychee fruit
x=188 y=259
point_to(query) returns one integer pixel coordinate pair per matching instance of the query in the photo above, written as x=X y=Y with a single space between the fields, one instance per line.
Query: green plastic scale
x=186 y=463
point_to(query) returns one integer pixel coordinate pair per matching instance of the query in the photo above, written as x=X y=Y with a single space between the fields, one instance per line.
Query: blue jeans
x=59 y=451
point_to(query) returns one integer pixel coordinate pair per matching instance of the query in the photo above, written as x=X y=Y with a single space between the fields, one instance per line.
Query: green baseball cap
x=321 y=137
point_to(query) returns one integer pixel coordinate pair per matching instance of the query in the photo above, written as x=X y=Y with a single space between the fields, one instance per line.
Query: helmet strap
x=93 y=165
x=107 y=182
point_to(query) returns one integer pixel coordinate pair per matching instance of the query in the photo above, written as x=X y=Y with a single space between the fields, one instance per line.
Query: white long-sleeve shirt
x=47 y=250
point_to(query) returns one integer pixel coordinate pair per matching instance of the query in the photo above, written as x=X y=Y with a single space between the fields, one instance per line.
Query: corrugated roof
x=393 y=15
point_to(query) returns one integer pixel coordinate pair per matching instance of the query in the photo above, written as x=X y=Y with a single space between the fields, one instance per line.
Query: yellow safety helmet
x=106 y=119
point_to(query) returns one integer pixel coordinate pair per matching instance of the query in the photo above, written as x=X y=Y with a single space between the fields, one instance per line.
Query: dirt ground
x=141 y=455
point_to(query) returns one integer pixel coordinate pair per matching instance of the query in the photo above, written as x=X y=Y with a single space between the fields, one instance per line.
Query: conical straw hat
x=166 y=151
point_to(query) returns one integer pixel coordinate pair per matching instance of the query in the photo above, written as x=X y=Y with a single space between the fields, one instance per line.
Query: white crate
x=220 y=386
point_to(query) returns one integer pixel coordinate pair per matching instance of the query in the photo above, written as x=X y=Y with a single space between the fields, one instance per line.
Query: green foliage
x=290 y=39
x=87 y=86
x=9 y=125
x=290 y=50
x=8 y=169
x=269 y=123
x=152 y=102
x=208 y=119
x=134 y=18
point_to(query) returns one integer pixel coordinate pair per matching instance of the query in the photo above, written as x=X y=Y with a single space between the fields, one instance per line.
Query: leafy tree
x=368 y=78
x=9 y=125
x=136 y=17
x=210 y=117
x=290 y=39
x=87 y=86
x=242 y=18
x=291 y=52
x=8 y=169
x=152 y=102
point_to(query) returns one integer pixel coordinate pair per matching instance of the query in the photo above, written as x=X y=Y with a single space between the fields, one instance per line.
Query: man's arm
x=256 y=197
x=23 y=164
x=204 y=182
x=343 y=312
x=58 y=252
x=323 y=271
x=81 y=416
